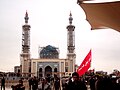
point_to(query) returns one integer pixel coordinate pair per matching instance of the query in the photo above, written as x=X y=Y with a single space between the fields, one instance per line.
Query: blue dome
x=49 y=52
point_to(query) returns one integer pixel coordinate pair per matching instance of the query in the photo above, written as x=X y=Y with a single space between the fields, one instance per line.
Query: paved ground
x=9 y=88
x=26 y=89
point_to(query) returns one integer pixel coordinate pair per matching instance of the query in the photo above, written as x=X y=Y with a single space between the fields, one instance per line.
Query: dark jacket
x=3 y=81
x=76 y=85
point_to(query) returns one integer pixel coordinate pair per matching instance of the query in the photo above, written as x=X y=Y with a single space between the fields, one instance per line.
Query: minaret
x=71 y=44
x=25 y=55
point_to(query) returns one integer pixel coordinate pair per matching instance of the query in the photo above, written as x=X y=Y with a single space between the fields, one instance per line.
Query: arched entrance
x=40 y=72
x=48 y=71
x=55 y=71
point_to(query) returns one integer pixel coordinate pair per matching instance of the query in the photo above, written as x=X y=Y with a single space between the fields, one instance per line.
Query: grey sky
x=48 y=20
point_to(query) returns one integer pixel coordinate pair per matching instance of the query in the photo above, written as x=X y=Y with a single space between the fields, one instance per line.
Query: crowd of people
x=104 y=83
x=74 y=82
x=46 y=83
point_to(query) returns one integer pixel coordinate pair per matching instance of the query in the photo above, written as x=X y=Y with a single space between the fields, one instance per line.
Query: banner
x=85 y=65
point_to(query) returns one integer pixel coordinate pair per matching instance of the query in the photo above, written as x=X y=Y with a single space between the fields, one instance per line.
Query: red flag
x=85 y=65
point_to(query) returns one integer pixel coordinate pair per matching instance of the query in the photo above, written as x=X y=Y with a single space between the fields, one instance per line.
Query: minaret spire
x=70 y=18
x=26 y=17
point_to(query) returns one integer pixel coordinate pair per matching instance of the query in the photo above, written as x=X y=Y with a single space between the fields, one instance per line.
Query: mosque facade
x=48 y=63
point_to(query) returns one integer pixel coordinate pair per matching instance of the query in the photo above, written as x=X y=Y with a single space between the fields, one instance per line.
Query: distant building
x=17 y=69
x=48 y=62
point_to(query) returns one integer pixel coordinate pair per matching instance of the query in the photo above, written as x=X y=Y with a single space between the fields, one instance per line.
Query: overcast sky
x=48 y=20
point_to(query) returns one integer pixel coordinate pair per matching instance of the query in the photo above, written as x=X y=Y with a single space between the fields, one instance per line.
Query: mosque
x=48 y=63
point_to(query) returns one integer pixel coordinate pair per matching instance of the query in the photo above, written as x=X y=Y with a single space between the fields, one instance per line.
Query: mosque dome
x=49 y=52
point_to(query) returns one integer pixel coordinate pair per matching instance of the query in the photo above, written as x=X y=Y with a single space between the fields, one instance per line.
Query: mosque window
x=40 y=70
x=66 y=63
x=55 y=70
x=66 y=69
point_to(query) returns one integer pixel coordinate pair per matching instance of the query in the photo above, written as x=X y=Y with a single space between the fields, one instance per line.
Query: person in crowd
x=30 y=83
x=19 y=86
x=115 y=85
x=92 y=81
x=44 y=85
x=98 y=83
x=103 y=83
x=64 y=84
x=34 y=83
x=75 y=83
x=56 y=82
x=3 y=83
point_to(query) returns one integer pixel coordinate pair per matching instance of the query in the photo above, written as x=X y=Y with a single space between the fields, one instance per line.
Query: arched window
x=40 y=72
x=55 y=70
